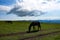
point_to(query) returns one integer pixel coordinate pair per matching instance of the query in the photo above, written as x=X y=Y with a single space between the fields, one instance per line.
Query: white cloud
x=30 y=18
x=33 y=5
x=37 y=5
x=4 y=8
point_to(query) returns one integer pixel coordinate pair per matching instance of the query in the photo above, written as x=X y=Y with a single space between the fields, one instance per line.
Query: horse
x=33 y=24
x=9 y=22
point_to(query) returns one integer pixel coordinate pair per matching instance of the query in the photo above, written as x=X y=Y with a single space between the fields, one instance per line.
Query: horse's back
x=35 y=23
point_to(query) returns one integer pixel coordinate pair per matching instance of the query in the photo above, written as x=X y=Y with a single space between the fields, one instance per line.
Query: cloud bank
x=32 y=8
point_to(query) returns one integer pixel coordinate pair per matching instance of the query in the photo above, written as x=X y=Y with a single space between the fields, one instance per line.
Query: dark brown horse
x=9 y=22
x=33 y=24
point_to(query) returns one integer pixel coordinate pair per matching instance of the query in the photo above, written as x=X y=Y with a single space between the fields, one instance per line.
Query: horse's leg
x=29 y=29
x=39 y=26
x=33 y=28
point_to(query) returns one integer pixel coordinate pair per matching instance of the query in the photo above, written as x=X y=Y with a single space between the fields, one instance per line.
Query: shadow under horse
x=33 y=24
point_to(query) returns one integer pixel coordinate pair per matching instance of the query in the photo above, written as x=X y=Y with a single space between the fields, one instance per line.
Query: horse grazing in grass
x=9 y=22
x=33 y=24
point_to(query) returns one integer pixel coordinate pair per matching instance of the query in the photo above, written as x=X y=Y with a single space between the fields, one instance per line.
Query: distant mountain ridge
x=50 y=21
x=45 y=21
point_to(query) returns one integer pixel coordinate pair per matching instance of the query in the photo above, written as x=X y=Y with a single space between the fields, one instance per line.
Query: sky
x=30 y=10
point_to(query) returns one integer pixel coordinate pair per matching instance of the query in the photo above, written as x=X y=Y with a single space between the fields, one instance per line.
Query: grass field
x=18 y=28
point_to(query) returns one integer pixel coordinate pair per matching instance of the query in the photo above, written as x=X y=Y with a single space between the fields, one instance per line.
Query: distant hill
x=50 y=21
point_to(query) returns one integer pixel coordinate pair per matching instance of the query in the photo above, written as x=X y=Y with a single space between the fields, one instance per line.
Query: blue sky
x=7 y=2
x=50 y=10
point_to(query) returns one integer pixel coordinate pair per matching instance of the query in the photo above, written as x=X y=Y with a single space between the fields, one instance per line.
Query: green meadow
x=22 y=26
